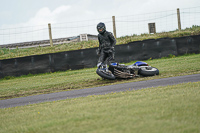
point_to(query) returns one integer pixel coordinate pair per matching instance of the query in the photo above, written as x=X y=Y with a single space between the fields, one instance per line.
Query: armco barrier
x=189 y=44
x=86 y=58
x=147 y=49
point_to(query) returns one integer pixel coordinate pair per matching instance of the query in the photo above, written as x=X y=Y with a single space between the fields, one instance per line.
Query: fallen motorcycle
x=116 y=70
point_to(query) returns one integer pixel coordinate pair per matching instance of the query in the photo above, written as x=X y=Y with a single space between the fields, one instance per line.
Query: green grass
x=170 y=109
x=13 y=53
x=85 y=78
x=194 y=30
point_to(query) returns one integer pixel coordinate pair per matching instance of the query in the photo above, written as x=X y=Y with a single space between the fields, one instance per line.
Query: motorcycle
x=116 y=70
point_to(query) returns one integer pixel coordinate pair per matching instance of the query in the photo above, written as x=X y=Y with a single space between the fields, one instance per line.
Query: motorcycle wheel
x=104 y=74
x=148 y=72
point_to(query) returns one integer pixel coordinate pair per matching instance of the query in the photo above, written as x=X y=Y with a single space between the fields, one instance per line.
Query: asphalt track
x=98 y=90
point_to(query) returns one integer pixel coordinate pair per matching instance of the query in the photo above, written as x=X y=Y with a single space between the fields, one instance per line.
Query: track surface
x=97 y=90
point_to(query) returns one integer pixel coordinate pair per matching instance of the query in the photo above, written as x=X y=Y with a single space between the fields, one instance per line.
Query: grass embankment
x=154 y=110
x=79 y=79
x=6 y=53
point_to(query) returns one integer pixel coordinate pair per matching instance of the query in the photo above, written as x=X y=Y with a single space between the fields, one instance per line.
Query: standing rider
x=106 y=45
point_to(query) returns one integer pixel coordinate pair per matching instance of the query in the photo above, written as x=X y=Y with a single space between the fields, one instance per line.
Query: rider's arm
x=112 y=39
x=99 y=49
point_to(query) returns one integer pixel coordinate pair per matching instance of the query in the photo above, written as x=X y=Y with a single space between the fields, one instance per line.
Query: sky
x=22 y=13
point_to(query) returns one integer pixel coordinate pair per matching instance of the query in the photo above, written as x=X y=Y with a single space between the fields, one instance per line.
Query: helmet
x=101 y=28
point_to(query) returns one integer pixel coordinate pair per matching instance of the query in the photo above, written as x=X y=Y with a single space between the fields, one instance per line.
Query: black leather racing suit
x=106 y=47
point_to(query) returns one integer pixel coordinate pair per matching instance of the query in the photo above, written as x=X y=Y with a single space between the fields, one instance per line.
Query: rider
x=106 y=45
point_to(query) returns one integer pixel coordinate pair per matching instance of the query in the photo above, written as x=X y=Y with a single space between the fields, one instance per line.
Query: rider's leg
x=102 y=58
x=111 y=58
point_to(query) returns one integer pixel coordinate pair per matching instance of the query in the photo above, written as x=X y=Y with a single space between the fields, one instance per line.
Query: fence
x=125 y=25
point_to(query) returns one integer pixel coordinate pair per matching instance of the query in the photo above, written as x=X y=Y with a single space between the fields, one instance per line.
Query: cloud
x=36 y=28
x=42 y=17
x=64 y=13
x=45 y=15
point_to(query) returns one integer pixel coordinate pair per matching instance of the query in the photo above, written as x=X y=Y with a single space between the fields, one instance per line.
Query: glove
x=98 y=51
x=112 y=49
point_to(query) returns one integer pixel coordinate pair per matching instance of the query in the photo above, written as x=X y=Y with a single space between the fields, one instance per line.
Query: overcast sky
x=38 y=12
x=21 y=13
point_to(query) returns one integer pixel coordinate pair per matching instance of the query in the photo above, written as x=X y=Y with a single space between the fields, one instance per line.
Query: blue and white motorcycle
x=122 y=71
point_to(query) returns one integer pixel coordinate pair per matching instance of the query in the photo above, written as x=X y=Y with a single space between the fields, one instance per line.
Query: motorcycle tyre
x=106 y=76
x=146 y=72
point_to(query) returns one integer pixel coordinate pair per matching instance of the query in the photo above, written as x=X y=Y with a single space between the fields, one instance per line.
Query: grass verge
x=85 y=78
x=158 y=110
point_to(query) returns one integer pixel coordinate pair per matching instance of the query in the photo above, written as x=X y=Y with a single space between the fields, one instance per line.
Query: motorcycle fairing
x=140 y=63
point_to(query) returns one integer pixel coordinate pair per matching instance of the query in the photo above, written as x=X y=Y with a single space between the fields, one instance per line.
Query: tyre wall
x=87 y=58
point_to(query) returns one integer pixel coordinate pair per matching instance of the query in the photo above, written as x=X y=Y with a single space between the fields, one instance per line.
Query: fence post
x=179 y=19
x=114 y=26
x=50 y=35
